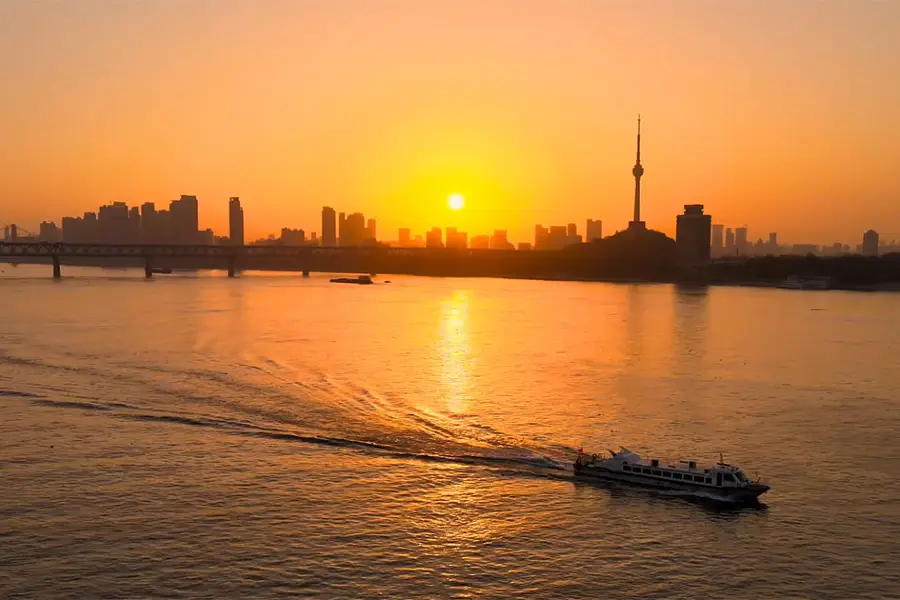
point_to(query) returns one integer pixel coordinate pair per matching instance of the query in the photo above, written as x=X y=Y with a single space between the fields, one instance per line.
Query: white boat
x=720 y=481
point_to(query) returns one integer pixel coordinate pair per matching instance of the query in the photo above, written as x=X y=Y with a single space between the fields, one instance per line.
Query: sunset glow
x=455 y=201
x=772 y=114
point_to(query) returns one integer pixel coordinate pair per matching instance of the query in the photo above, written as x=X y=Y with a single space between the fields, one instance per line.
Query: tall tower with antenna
x=637 y=171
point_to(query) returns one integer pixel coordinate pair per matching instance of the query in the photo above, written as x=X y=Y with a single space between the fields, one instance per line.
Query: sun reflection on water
x=453 y=347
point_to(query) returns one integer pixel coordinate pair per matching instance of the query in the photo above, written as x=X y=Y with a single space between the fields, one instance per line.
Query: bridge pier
x=306 y=273
x=148 y=267
x=57 y=269
x=232 y=264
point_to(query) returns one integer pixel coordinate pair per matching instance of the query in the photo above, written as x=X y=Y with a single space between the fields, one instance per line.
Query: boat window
x=626 y=468
x=729 y=477
x=655 y=472
x=646 y=471
x=698 y=478
x=709 y=480
x=676 y=475
x=667 y=474
x=741 y=477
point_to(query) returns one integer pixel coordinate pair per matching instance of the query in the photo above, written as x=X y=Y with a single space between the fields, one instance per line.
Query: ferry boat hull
x=750 y=493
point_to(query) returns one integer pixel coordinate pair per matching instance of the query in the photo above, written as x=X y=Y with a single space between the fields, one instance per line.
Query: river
x=279 y=436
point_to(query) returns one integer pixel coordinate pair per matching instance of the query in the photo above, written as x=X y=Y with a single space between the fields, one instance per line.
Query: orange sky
x=781 y=115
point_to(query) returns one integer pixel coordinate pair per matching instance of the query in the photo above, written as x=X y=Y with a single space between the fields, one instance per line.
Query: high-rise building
x=329 y=231
x=740 y=240
x=594 y=230
x=370 y=230
x=638 y=172
x=235 y=222
x=434 y=238
x=499 y=241
x=870 y=243
x=729 y=242
x=772 y=245
x=692 y=235
x=292 y=237
x=571 y=230
x=718 y=239
x=113 y=222
x=184 y=220
x=404 y=239
x=49 y=232
x=342 y=225
x=354 y=231
x=456 y=239
x=134 y=225
x=541 y=234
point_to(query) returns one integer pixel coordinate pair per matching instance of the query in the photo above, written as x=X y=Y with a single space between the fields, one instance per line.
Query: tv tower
x=637 y=171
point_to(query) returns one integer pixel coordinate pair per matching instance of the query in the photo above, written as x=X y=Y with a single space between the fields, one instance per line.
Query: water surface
x=274 y=436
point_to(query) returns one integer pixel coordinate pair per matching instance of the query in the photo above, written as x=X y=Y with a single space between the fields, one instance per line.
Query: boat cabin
x=687 y=472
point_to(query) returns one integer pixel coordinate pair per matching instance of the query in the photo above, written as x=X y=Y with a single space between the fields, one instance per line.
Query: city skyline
x=284 y=105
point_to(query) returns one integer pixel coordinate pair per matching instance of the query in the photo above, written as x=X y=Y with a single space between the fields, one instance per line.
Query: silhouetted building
x=729 y=242
x=524 y=246
x=556 y=237
x=434 y=238
x=292 y=237
x=235 y=222
x=638 y=172
x=870 y=243
x=113 y=221
x=594 y=230
x=499 y=241
x=370 y=230
x=404 y=239
x=540 y=237
x=184 y=221
x=718 y=240
x=456 y=239
x=342 y=225
x=354 y=231
x=329 y=231
x=740 y=240
x=206 y=237
x=480 y=242
x=772 y=246
x=692 y=235
x=49 y=232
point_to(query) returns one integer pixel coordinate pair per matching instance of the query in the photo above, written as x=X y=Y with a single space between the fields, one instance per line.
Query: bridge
x=361 y=259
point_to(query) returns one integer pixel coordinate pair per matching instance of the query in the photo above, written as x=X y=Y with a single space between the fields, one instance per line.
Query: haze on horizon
x=777 y=115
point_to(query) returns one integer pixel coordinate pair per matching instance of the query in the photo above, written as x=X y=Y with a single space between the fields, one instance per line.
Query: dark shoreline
x=186 y=265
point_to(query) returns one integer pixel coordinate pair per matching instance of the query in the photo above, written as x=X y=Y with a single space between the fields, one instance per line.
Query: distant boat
x=805 y=283
x=163 y=271
x=361 y=280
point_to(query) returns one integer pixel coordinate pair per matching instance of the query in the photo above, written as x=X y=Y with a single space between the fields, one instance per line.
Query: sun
x=456 y=201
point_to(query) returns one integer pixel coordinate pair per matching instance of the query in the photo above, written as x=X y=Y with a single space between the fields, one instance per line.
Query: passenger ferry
x=720 y=481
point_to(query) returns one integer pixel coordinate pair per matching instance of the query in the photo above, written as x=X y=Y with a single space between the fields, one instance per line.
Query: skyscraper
x=370 y=229
x=729 y=242
x=692 y=235
x=329 y=235
x=342 y=225
x=235 y=222
x=184 y=220
x=594 y=230
x=870 y=243
x=740 y=240
x=638 y=172
x=718 y=239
